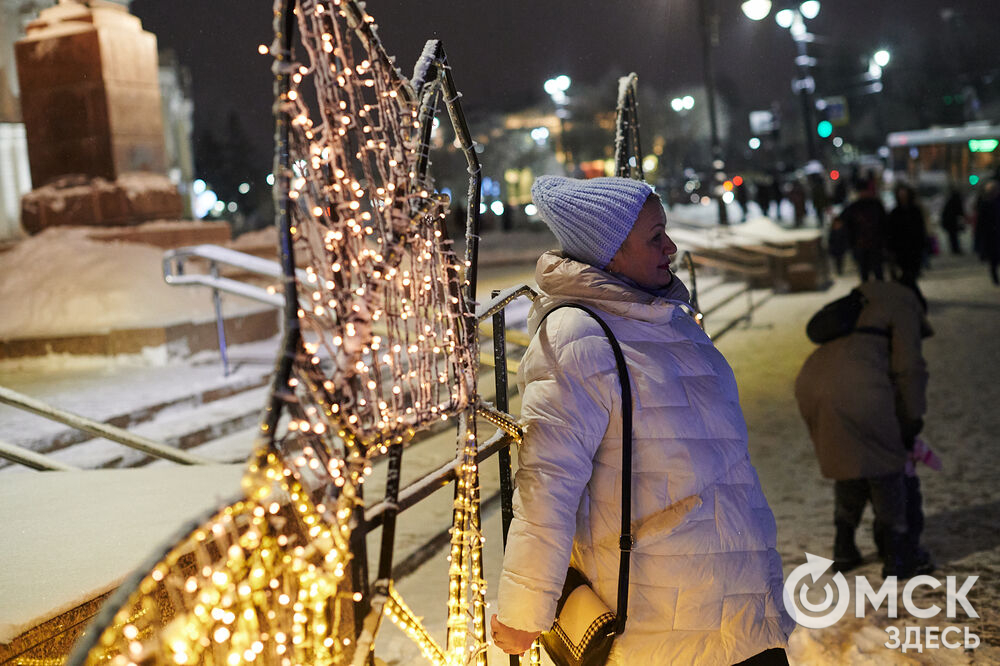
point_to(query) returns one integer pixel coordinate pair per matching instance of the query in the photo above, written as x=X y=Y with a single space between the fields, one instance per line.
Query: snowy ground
x=961 y=502
x=61 y=282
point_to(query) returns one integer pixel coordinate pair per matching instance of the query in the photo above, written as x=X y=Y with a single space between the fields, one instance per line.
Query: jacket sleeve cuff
x=524 y=608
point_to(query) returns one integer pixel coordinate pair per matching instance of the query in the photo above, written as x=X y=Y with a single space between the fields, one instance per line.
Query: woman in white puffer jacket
x=706 y=580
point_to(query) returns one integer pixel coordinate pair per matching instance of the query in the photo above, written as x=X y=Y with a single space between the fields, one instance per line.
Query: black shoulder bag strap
x=626 y=540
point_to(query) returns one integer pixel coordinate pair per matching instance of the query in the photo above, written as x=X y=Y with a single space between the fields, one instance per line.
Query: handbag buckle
x=626 y=542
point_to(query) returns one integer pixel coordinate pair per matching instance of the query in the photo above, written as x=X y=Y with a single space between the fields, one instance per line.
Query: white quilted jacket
x=705 y=576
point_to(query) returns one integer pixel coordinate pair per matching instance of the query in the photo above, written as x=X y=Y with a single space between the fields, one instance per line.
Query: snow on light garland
x=383 y=344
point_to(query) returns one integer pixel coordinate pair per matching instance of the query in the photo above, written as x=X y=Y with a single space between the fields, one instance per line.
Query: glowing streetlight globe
x=557 y=85
x=756 y=10
x=785 y=18
x=809 y=9
x=881 y=58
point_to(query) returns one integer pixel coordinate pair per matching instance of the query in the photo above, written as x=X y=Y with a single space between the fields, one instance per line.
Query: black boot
x=846 y=555
x=878 y=534
x=904 y=558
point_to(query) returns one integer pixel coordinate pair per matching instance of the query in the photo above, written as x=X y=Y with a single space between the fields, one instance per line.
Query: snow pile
x=765 y=229
x=58 y=362
x=61 y=282
x=252 y=240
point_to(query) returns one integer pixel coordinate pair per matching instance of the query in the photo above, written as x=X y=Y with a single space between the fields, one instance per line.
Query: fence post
x=220 y=323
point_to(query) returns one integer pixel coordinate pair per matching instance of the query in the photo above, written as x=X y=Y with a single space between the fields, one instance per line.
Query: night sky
x=501 y=51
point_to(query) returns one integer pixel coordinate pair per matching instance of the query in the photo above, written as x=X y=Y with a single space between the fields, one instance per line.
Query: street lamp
x=756 y=10
x=876 y=63
x=793 y=19
x=709 y=36
x=682 y=104
x=556 y=88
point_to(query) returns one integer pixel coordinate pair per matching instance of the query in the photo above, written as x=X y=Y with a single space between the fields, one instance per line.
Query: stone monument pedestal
x=90 y=99
x=133 y=198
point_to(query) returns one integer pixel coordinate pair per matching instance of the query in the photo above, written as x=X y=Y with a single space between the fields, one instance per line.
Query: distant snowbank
x=60 y=282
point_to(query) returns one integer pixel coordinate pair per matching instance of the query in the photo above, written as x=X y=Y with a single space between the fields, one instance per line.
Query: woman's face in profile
x=645 y=255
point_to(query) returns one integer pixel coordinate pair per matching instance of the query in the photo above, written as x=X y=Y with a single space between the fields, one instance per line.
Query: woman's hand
x=510 y=640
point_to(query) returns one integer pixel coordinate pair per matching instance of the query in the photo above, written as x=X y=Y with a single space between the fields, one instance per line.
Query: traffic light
x=824 y=128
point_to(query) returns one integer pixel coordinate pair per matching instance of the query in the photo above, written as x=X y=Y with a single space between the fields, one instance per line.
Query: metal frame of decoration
x=380 y=341
x=628 y=149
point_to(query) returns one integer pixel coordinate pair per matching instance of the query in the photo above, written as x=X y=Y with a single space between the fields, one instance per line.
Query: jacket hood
x=561 y=279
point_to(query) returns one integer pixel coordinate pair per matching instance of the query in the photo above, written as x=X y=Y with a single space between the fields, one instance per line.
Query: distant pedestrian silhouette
x=988 y=227
x=952 y=217
x=907 y=236
x=837 y=243
x=866 y=221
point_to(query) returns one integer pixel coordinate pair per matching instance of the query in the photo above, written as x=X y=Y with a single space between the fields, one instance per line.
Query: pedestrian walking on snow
x=988 y=227
x=862 y=394
x=866 y=220
x=837 y=243
x=952 y=219
x=907 y=236
x=706 y=581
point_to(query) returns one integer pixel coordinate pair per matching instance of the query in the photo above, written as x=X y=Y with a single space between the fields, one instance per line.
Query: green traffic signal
x=824 y=128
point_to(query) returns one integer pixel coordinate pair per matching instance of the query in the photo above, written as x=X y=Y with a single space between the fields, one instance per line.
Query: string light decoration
x=380 y=342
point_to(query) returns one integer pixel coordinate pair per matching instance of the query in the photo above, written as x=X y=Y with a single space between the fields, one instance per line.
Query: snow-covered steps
x=52 y=436
x=184 y=404
x=182 y=426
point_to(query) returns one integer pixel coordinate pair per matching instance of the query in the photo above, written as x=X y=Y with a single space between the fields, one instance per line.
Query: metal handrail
x=503 y=297
x=173 y=274
x=221 y=255
x=29 y=458
x=98 y=429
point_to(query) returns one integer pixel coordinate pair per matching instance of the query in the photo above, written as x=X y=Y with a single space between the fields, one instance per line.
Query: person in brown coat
x=863 y=397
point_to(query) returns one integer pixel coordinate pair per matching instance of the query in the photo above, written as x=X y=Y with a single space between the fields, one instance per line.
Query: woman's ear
x=615 y=261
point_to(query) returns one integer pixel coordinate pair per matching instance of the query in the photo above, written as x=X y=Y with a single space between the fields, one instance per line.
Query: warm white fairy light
x=387 y=350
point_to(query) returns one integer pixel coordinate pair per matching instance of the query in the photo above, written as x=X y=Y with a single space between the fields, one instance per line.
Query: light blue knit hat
x=591 y=218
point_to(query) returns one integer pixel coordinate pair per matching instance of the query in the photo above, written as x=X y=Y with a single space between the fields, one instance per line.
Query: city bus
x=932 y=159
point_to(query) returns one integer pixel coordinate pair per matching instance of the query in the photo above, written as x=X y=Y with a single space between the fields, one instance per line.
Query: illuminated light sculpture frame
x=380 y=341
x=627 y=145
x=628 y=149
